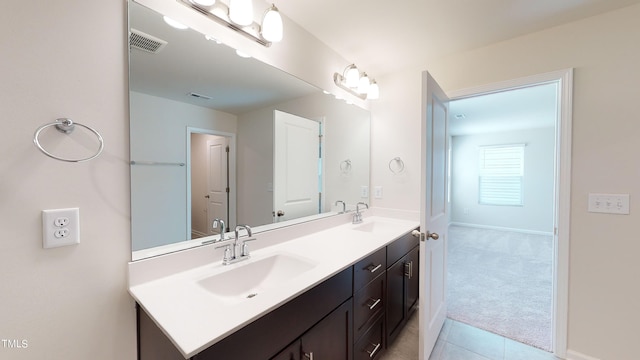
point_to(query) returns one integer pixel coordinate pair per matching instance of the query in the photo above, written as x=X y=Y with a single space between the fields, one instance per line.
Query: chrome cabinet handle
x=375 y=303
x=408 y=269
x=373 y=352
x=309 y=355
x=372 y=268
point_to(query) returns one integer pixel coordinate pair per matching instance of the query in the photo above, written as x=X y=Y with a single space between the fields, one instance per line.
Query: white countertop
x=194 y=319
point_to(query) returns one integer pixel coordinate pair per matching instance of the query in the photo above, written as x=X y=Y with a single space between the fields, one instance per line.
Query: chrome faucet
x=223 y=228
x=357 y=217
x=344 y=206
x=231 y=252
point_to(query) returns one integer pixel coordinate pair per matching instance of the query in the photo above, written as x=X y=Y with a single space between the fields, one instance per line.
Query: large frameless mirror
x=215 y=135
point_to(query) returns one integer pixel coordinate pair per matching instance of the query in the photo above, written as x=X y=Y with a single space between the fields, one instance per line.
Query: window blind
x=501 y=173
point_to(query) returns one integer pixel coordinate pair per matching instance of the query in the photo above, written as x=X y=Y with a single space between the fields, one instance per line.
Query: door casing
x=562 y=193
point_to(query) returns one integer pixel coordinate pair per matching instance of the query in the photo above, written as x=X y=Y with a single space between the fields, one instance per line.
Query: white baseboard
x=574 y=355
x=490 y=227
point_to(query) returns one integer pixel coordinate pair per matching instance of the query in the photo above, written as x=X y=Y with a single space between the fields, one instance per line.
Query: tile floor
x=459 y=341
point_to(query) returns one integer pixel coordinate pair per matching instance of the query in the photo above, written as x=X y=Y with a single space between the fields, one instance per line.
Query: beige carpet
x=501 y=281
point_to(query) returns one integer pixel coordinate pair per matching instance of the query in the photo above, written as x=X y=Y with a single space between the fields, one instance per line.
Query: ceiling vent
x=145 y=42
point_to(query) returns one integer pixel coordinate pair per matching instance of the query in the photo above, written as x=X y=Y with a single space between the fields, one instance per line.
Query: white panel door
x=295 y=168
x=433 y=214
x=217 y=184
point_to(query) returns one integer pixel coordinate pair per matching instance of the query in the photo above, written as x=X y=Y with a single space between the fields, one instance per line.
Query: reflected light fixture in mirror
x=174 y=23
x=356 y=83
x=238 y=15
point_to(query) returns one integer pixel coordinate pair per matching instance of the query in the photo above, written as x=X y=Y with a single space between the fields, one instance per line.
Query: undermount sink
x=376 y=226
x=245 y=281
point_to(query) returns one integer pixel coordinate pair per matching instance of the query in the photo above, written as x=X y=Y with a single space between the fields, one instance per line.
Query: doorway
x=496 y=195
x=210 y=181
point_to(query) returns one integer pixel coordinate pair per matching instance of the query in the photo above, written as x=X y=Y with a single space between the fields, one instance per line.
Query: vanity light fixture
x=238 y=15
x=205 y=2
x=241 y=12
x=357 y=83
x=272 y=25
x=374 y=91
x=363 y=84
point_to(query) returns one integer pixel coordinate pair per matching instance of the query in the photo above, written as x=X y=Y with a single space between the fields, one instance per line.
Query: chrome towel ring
x=66 y=126
x=399 y=165
x=345 y=166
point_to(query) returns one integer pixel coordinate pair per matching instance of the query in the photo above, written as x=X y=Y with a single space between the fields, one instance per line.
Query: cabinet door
x=332 y=337
x=413 y=281
x=396 y=298
x=290 y=353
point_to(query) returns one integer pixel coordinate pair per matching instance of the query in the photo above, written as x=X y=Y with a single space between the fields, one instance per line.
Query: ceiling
x=383 y=36
x=519 y=109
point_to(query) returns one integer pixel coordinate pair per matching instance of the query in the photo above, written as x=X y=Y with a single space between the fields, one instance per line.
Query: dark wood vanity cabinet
x=403 y=284
x=352 y=315
x=328 y=339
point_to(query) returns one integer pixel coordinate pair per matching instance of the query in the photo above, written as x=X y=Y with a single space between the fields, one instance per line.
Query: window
x=501 y=171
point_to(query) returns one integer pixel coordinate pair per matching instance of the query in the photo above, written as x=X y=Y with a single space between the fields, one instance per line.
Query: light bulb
x=174 y=23
x=204 y=2
x=363 y=84
x=374 y=91
x=272 y=25
x=241 y=12
x=352 y=76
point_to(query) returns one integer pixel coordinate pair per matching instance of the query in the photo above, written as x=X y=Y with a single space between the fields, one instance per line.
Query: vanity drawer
x=371 y=345
x=401 y=247
x=369 y=268
x=368 y=303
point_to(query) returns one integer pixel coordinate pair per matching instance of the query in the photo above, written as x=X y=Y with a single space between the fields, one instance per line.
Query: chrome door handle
x=423 y=236
x=309 y=355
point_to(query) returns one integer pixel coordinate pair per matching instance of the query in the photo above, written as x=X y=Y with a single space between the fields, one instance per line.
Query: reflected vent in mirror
x=145 y=42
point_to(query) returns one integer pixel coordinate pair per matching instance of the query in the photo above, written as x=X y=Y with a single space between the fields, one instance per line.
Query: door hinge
x=227 y=190
x=226 y=148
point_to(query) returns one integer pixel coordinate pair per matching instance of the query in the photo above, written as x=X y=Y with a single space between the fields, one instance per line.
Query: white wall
x=159 y=193
x=255 y=167
x=536 y=213
x=64 y=59
x=603 y=297
x=69 y=58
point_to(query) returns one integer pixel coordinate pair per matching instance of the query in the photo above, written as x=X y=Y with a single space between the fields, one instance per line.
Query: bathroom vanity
x=340 y=293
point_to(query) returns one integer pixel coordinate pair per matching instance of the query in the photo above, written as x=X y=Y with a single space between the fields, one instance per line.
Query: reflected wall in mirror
x=214 y=135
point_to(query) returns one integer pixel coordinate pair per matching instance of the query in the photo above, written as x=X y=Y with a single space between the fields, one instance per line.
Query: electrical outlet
x=61 y=221
x=60 y=227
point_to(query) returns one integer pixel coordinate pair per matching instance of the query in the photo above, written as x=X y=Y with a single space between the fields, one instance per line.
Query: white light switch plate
x=377 y=192
x=609 y=203
x=364 y=191
x=60 y=227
